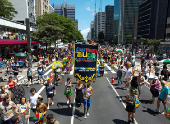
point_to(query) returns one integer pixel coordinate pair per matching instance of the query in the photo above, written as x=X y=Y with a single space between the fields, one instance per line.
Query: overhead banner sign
x=85 y=62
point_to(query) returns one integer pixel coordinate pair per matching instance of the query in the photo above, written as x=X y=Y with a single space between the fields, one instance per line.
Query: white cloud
x=85 y=32
x=88 y=8
x=82 y=20
x=92 y=1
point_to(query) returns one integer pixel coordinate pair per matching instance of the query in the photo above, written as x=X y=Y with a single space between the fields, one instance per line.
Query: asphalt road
x=107 y=104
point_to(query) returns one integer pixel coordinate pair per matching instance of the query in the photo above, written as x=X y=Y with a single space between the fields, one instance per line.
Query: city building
x=152 y=19
x=89 y=36
x=41 y=7
x=13 y=37
x=97 y=24
x=77 y=23
x=51 y=9
x=92 y=30
x=25 y=9
x=109 y=23
x=67 y=10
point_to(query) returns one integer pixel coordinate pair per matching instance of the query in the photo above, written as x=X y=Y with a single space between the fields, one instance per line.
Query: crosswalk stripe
x=110 y=69
x=48 y=72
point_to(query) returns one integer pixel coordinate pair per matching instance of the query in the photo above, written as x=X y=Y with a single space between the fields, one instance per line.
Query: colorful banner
x=85 y=62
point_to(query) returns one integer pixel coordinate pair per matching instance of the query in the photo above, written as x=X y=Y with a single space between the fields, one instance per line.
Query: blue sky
x=85 y=11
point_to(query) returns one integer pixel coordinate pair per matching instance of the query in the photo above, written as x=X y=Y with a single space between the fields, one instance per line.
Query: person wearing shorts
x=15 y=71
x=29 y=75
x=44 y=65
x=21 y=65
x=141 y=82
x=40 y=74
x=163 y=97
x=127 y=75
x=87 y=93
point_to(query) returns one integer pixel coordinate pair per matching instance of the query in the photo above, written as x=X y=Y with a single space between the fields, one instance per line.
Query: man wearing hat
x=163 y=96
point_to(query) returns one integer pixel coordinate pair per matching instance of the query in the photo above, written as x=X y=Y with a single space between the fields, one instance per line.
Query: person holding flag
x=23 y=110
x=87 y=93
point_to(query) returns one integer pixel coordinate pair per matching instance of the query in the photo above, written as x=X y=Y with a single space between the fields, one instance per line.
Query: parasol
x=167 y=61
x=137 y=103
x=38 y=117
x=167 y=113
x=57 y=65
x=21 y=54
x=118 y=50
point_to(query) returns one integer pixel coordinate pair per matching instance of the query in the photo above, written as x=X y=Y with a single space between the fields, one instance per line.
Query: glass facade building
x=109 y=22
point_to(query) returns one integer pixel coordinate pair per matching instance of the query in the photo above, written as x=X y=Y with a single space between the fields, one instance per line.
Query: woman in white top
x=128 y=75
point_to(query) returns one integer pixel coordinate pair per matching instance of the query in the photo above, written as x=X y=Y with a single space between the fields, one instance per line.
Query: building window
x=168 y=35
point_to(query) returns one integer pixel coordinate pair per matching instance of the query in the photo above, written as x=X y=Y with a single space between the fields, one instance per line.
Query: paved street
x=108 y=103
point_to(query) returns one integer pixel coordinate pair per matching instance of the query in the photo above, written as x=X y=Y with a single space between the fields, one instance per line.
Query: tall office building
x=41 y=7
x=92 y=30
x=89 y=36
x=152 y=19
x=67 y=10
x=25 y=9
x=51 y=9
x=97 y=23
x=129 y=11
x=109 y=22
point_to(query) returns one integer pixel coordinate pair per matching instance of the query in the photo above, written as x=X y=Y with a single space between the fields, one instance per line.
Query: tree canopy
x=151 y=41
x=52 y=27
x=7 y=10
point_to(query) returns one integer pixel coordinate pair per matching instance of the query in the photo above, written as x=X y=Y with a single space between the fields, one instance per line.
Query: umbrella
x=26 y=112
x=137 y=103
x=167 y=113
x=21 y=54
x=167 y=61
x=118 y=50
x=56 y=65
x=38 y=117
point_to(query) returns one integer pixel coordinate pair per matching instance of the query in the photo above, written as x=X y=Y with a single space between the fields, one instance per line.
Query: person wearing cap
x=163 y=97
x=130 y=105
x=68 y=91
x=155 y=85
x=50 y=91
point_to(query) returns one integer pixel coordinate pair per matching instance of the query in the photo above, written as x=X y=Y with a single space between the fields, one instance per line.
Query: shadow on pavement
x=78 y=114
x=121 y=88
x=145 y=101
x=150 y=111
x=117 y=121
x=63 y=111
x=62 y=104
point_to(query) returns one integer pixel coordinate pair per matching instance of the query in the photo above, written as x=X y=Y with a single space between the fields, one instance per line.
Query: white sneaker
x=70 y=106
x=87 y=114
x=48 y=107
x=52 y=103
x=28 y=86
x=67 y=101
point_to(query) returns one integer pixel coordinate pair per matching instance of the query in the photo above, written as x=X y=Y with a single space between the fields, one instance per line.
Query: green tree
x=52 y=27
x=7 y=10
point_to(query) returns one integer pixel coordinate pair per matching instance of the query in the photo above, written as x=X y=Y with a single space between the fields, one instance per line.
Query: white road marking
x=73 y=111
x=42 y=88
x=119 y=97
x=48 y=72
x=110 y=69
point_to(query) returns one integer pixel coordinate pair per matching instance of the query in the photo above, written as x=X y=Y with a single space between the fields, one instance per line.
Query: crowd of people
x=128 y=73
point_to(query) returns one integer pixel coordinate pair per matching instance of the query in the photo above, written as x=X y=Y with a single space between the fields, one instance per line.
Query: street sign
x=85 y=62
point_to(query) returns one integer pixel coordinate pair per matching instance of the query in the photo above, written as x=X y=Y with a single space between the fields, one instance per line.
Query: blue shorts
x=88 y=102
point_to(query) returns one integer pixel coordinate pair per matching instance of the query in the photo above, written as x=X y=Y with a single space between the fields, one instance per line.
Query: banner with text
x=85 y=62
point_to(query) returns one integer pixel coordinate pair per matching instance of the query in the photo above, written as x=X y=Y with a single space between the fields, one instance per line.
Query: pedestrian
x=133 y=62
x=68 y=91
x=44 y=64
x=134 y=85
x=165 y=73
x=130 y=105
x=141 y=82
x=11 y=84
x=32 y=99
x=87 y=93
x=7 y=110
x=154 y=88
x=41 y=108
x=16 y=71
x=163 y=97
x=120 y=74
x=4 y=92
x=154 y=63
x=128 y=75
x=5 y=62
x=40 y=75
x=16 y=119
x=142 y=61
x=144 y=71
x=21 y=63
x=79 y=93
x=157 y=69
x=150 y=65
x=51 y=120
x=22 y=105
x=50 y=91
x=29 y=76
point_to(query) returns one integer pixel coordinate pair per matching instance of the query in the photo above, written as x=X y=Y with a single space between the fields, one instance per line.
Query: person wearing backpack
x=120 y=74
